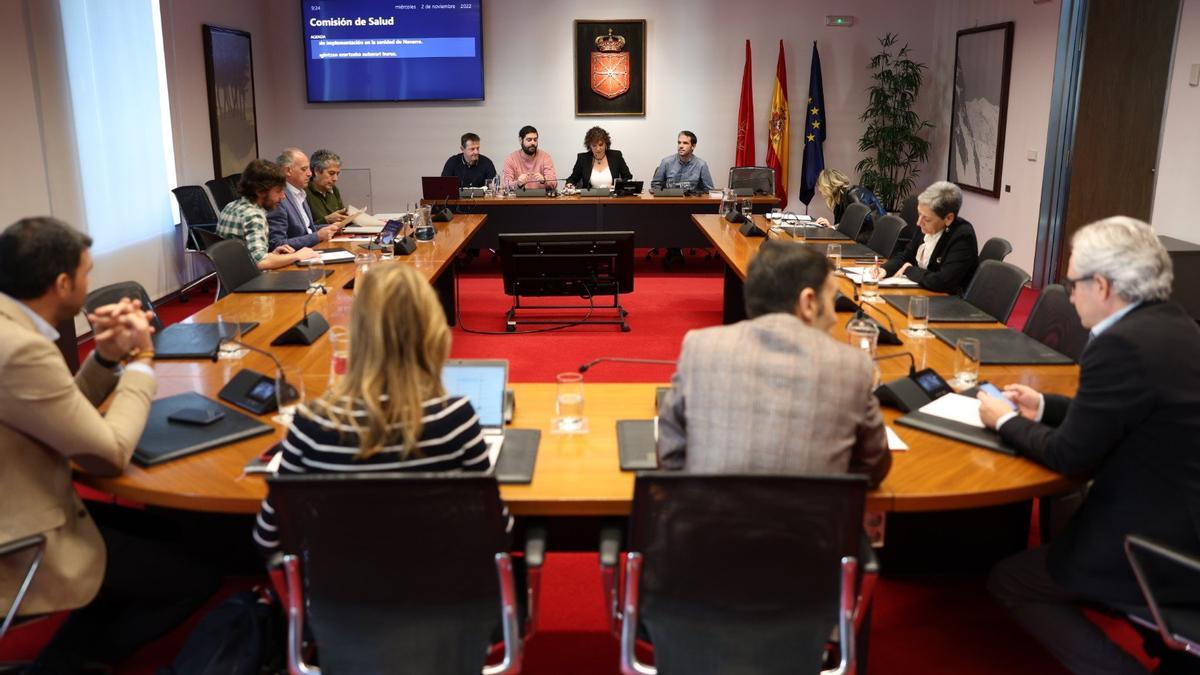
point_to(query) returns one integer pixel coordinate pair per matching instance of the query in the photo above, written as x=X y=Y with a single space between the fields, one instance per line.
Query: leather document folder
x=944 y=309
x=518 y=456
x=1004 y=347
x=191 y=340
x=165 y=439
x=290 y=281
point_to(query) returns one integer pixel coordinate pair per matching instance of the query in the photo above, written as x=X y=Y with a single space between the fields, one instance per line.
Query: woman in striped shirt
x=390 y=411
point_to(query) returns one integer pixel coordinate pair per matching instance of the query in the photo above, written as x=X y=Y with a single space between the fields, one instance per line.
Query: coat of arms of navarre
x=610 y=66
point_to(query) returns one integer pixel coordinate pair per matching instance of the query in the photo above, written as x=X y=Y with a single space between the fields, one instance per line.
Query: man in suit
x=48 y=419
x=945 y=258
x=1133 y=427
x=291 y=223
x=775 y=393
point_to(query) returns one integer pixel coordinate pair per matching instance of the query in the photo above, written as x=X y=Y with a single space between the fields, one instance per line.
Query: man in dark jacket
x=1133 y=427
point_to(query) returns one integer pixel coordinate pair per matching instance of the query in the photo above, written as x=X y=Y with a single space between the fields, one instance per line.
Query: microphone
x=912 y=362
x=238 y=390
x=442 y=214
x=216 y=352
x=887 y=336
x=309 y=327
x=619 y=359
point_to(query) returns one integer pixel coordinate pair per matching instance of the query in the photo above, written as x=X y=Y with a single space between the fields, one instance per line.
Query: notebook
x=165 y=439
x=191 y=340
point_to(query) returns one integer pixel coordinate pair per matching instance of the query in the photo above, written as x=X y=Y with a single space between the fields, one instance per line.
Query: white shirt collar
x=39 y=323
x=293 y=190
x=1113 y=318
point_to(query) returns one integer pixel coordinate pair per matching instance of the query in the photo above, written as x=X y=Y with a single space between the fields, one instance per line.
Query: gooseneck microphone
x=912 y=361
x=619 y=359
x=216 y=352
x=309 y=327
x=887 y=336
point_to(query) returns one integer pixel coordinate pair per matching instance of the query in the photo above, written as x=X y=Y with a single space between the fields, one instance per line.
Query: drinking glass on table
x=568 y=404
x=870 y=282
x=339 y=353
x=289 y=393
x=747 y=208
x=967 y=353
x=229 y=330
x=316 y=278
x=918 y=316
x=834 y=253
x=362 y=264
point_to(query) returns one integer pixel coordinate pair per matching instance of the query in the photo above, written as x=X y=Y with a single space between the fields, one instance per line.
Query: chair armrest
x=21 y=544
x=535 y=546
x=868 y=575
x=610 y=557
x=535 y=557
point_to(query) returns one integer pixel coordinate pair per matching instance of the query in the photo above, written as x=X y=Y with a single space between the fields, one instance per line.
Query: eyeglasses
x=1069 y=283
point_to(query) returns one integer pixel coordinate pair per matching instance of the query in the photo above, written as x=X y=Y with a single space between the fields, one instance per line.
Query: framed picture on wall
x=229 y=66
x=610 y=67
x=979 y=112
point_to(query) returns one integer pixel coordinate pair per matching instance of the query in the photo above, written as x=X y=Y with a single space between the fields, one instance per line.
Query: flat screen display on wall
x=393 y=50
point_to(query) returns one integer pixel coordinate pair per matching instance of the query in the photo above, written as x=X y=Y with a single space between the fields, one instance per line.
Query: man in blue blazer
x=291 y=222
x=1133 y=428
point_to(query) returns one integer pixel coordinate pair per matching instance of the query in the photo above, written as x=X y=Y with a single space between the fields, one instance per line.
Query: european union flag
x=814 y=132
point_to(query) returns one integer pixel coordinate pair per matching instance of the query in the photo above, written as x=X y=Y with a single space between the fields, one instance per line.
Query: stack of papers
x=956 y=408
x=361 y=222
x=336 y=255
x=895 y=443
x=855 y=274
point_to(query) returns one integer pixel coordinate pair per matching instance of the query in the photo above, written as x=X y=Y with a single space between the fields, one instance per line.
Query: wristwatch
x=103 y=362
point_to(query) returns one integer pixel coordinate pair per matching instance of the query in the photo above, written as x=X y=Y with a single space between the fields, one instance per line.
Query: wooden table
x=662 y=222
x=575 y=475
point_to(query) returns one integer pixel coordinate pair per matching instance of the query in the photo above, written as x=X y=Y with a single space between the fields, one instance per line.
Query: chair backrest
x=996 y=287
x=742 y=571
x=908 y=211
x=111 y=293
x=233 y=264
x=1055 y=323
x=885 y=235
x=852 y=220
x=223 y=191
x=996 y=248
x=761 y=179
x=195 y=205
x=1170 y=582
x=397 y=568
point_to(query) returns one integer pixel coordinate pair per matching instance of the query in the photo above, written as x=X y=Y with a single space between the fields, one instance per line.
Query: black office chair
x=752 y=180
x=233 y=263
x=885 y=235
x=744 y=573
x=397 y=571
x=111 y=293
x=1055 y=323
x=996 y=287
x=1170 y=582
x=996 y=248
x=908 y=211
x=199 y=220
x=852 y=220
x=224 y=190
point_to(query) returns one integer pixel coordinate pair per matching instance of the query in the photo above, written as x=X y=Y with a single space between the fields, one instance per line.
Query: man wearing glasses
x=1133 y=427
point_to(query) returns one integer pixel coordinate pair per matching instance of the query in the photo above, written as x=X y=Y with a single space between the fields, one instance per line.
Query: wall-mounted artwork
x=982 y=60
x=231 y=114
x=610 y=67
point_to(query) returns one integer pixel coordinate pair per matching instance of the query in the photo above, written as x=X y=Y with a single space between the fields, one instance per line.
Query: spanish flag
x=777 y=130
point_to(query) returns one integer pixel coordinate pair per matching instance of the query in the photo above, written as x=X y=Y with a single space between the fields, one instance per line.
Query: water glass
x=229 y=329
x=870 y=283
x=918 y=316
x=289 y=393
x=747 y=208
x=568 y=404
x=339 y=353
x=316 y=277
x=362 y=264
x=424 y=225
x=966 y=362
x=387 y=250
x=834 y=252
x=863 y=334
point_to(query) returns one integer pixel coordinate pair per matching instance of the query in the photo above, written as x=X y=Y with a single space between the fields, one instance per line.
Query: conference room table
x=575 y=475
x=657 y=222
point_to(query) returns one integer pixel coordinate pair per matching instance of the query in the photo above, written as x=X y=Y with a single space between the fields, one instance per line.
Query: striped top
x=451 y=440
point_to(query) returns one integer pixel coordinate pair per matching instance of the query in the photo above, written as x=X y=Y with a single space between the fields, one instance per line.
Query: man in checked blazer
x=775 y=393
x=48 y=419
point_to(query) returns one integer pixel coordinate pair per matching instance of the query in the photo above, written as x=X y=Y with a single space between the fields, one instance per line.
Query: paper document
x=897 y=282
x=337 y=256
x=895 y=443
x=352 y=239
x=955 y=407
x=493 y=443
x=361 y=222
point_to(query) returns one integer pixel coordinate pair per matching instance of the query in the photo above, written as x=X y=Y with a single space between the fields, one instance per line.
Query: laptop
x=439 y=187
x=483 y=382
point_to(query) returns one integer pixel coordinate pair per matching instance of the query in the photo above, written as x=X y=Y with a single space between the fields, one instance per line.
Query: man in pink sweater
x=529 y=168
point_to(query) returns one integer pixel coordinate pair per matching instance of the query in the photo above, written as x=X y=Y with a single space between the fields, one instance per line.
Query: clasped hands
x=530 y=178
x=991 y=409
x=121 y=328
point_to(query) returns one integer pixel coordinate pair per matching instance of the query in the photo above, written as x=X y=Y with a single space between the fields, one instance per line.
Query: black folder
x=518 y=455
x=1004 y=347
x=849 y=250
x=984 y=438
x=291 y=281
x=944 y=308
x=815 y=232
x=191 y=340
x=636 y=446
x=163 y=439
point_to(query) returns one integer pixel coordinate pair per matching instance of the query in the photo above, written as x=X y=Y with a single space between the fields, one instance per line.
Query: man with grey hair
x=1133 y=427
x=945 y=258
x=291 y=223
x=324 y=197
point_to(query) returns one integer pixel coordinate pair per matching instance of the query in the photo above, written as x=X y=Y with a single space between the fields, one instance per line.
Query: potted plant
x=894 y=148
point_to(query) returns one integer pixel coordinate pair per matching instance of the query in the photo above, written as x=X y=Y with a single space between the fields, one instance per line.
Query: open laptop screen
x=483 y=382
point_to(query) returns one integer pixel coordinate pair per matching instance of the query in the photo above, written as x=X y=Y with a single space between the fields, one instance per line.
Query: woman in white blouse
x=600 y=166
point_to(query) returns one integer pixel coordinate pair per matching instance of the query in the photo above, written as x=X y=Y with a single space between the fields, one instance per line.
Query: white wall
x=1014 y=215
x=1174 y=211
x=24 y=185
x=694 y=67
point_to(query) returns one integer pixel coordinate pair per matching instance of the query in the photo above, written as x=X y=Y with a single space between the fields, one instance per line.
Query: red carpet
x=935 y=624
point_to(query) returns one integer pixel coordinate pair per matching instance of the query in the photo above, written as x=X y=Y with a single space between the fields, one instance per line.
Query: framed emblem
x=610 y=67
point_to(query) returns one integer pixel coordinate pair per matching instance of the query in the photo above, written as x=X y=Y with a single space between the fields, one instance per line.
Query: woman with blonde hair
x=389 y=412
x=835 y=187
